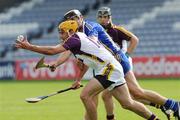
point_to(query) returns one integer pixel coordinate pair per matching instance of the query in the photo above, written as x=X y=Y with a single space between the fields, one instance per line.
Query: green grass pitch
x=66 y=106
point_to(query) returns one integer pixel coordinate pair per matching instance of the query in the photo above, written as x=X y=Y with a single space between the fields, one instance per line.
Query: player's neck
x=109 y=25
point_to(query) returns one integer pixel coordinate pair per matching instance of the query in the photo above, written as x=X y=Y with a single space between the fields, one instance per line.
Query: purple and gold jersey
x=93 y=54
x=90 y=51
x=118 y=34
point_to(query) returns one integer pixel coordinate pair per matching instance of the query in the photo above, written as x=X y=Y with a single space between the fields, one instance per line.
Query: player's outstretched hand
x=22 y=42
x=76 y=85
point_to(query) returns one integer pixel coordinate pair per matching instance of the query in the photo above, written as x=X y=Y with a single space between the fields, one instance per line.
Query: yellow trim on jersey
x=108 y=71
x=104 y=71
x=111 y=70
x=95 y=58
x=123 y=30
x=108 y=49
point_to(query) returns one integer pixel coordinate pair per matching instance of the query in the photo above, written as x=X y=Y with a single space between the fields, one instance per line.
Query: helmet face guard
x=72 y=14
x=104 y=11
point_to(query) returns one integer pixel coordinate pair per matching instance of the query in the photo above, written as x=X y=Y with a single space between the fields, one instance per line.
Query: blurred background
x=156 y=60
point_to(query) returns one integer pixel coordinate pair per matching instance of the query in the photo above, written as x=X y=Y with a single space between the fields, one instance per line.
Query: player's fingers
x=25 y=40
x=17 y=41
x=17 y=45
x=76 y=86
x=52 y=68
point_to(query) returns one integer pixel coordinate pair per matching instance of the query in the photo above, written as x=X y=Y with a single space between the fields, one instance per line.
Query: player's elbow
x=137 y=40
x=134 y=40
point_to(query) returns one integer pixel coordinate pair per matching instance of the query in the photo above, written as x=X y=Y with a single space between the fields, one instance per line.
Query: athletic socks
x=171 y=104
x=110 y=117
x=153 y=117
x=155 y=105
x=168 y=113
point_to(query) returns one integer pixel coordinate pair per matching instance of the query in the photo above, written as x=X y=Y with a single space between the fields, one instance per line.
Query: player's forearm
x=82 y=72
x=133 y=44
x=62 y=58
x=47 y=50
x=79 y=77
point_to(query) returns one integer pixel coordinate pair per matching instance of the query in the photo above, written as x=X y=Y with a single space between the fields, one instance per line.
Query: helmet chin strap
x=70 y=33
x=80 y=21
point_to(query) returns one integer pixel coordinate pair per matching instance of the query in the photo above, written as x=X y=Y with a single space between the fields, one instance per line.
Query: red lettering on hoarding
x=144 y=67
x=166 y=66
x=24 y=71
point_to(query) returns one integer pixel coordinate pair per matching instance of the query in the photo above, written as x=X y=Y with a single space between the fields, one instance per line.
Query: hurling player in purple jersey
x=118 y=34
x=108 y=71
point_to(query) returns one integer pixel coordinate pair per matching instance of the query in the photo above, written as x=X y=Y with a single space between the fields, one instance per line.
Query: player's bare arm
x=132 y=44
x=80 y=64
x=61 y=59
x=47 y=50
x=83 y=70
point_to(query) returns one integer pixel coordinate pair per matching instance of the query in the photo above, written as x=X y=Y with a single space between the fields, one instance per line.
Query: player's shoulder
x=73 y=40
x=91 y=24
x=122 y=29
x=118 y=27
x=75 y=36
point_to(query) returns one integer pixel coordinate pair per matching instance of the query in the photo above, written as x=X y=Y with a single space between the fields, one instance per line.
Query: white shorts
x=110 y=76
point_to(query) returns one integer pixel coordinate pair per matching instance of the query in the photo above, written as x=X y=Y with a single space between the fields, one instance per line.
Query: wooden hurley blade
x=41 y=64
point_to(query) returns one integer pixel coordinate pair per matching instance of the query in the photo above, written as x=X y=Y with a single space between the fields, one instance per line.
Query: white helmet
x=71 y=14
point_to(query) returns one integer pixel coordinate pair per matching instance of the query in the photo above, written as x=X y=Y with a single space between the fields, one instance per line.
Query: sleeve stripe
x=88 y=26
x=124 y=31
